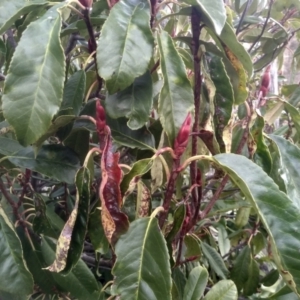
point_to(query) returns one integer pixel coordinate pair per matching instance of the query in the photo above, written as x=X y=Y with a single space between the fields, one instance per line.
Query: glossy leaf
x=55 y=161
x=196 y=284
x=10 y=11
x=34 y=84
x=277 y=212
x=134 y=102
x=213 y=13
x=176 y=96
x=223 y=290
x=14 y=274
x=140 y=273
x=126 y=56
x=215 y=260
x=289 y=160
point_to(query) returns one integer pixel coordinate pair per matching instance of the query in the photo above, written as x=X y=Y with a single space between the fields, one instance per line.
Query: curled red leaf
x=182 y=138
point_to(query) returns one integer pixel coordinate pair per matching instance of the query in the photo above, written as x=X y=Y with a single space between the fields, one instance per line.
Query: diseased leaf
x=121 y=59
x=15 y=277
x=196 y=284
x=134 y=102
x=176 y=96
x=143 y=200
x=34 y=83
x=69 y=248
x=140 y=273
x=114 y=221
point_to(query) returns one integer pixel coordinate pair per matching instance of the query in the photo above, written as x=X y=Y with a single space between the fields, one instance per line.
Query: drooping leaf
x=215 y=260
x=262 y=154
x=212 y=12
x=55 y=161
x=289 y=160
x=114 y=221
x=176 y=96
x=69 y=248
x=134 y=102
x=121 y=59
x=10 y=11
x=277 y=212
x=223 y=240
x=140 y=168
x=140 y=273
x=192 y=246
x=224 y=98
x=223 y=290
x=196 y=284
x=34 y=83
x=252 y=283
x=15 y=277
x=80 y=282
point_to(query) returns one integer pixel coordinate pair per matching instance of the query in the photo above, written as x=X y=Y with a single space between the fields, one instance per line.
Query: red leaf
x=114 y=221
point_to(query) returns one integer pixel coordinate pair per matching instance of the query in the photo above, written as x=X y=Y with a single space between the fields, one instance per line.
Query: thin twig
x=11 y=202
x=264 y=27
x=243 y=16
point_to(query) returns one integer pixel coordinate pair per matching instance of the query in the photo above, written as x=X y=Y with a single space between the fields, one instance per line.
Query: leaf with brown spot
x=114 y=221
x=143 y=199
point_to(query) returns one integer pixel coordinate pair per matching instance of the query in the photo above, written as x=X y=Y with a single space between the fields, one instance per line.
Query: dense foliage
x=149 y=150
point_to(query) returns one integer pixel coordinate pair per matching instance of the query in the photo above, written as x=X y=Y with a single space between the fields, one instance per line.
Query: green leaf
x=74 y=93
x=121 y=133
x=196 y=284
x=96 y=232
x=134 y=102
x=215 y=260
x=252 y=283
x=34 y=84
x=277 y=212
x=55 y=161
x=262 y=154
x=139 y=168
x=223 y=240
x=224 y=98
x=212 y=12
x=140 y=273
x=80 y=282
x=295 y=115
x=10 y=11
x=192 y=246
x=240 y=271
x=15 y=277
x=176 y=96
x=125 y=56
x=223 y=290
x=290 y=162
